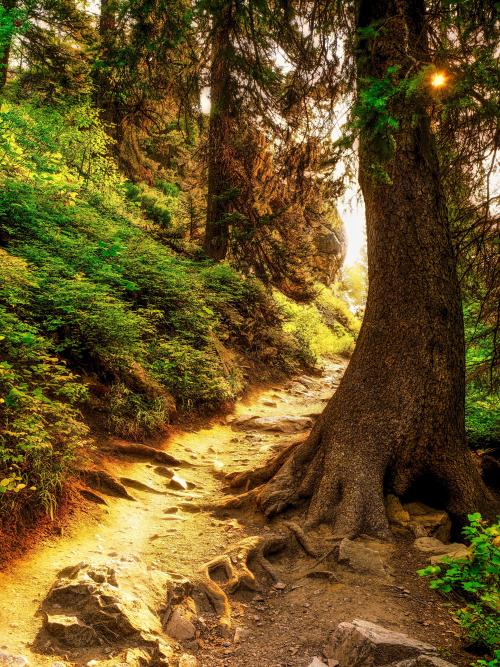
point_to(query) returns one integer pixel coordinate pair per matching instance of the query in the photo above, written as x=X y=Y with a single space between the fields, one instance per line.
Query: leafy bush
x=319 y=327
x=133 y=415
x=195 y=377
x=41 y=425
x=476 y=580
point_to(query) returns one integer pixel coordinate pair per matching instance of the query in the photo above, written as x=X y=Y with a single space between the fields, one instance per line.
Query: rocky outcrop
x=364 y=644
x=123 y=604
x=330 y=246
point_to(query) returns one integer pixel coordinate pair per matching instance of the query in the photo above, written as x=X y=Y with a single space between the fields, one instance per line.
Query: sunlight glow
x=438 y=80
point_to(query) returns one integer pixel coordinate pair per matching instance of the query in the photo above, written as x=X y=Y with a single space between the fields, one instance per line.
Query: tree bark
x=221 y=126
x=396 y=422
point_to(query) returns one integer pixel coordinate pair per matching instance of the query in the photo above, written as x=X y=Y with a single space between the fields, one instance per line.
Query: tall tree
x=396 y=422
x=51 y=45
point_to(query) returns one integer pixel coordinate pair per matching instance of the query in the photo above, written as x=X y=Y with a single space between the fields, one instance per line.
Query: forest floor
x=169 y=529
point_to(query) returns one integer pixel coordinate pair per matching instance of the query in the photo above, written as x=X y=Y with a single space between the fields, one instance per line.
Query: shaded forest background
x=157 y=256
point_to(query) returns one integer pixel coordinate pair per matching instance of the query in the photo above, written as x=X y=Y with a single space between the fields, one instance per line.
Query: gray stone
x=317 y=662
x=361 y=558
x=364 y=644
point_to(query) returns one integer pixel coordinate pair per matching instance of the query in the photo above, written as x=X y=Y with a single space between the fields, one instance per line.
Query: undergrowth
x=100 y=317
x=473 y=582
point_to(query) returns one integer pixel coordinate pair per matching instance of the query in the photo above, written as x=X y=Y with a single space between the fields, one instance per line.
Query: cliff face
x=329 y=241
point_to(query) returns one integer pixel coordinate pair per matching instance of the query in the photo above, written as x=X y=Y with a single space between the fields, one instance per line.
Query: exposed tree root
x=252 y=478
x=100 y=480
x=238 y=565
x=142 y=451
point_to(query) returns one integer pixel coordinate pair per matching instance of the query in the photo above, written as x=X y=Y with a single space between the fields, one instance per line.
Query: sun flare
x=438 y=80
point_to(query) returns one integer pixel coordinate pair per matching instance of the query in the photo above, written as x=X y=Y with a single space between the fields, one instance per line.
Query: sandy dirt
x=277 y=627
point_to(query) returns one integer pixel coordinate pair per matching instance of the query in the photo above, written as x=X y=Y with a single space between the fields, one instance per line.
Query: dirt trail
x=280 y=627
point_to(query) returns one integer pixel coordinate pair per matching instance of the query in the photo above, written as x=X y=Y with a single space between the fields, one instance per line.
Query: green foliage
x=134 y=415
x=482 y=401
x=476 y=580
x=41 y=424
x=196 y=377
x=322 y=328
x=88 y=290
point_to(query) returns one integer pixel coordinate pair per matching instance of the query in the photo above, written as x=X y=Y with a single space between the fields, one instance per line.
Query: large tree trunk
x=221 y=127
x=396 y=422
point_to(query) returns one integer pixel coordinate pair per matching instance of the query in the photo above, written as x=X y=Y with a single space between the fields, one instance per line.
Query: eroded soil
x=168 y=528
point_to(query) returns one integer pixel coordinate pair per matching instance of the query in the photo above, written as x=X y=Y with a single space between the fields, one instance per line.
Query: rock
x=241 y=634
x=70 y=630
x=108 y=603
x=178 y=482
x=460 y=551
x=423 y=661
x=286 y=424
x=187 y=660
x=136 y=657
x=395 y=511
x=426 y=521
x=317 y=662
x=361 y=558
x=101 y=480
x=179 y=627
x=269 y=403
x=9 y=660
x=439 y=550
x=364 y=644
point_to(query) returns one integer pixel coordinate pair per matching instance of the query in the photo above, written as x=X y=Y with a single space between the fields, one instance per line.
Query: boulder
x=70 y=630
x=364 y=644
x=108 y=603
x=317 y=662
x=361 y=558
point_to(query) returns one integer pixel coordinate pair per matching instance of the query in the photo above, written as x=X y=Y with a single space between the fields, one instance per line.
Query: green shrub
x=475 y=580
x=195 y=377
x=482 y=407
x=318 y=335
x=133 y=415
x=41 y=425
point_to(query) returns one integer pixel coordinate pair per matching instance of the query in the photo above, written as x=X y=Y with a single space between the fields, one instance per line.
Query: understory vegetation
x=473 y=582
x=102 y=321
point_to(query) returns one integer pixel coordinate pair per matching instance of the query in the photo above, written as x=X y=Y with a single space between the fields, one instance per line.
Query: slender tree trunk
x=396 y=422
x=6 y=47
x=220 y=129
